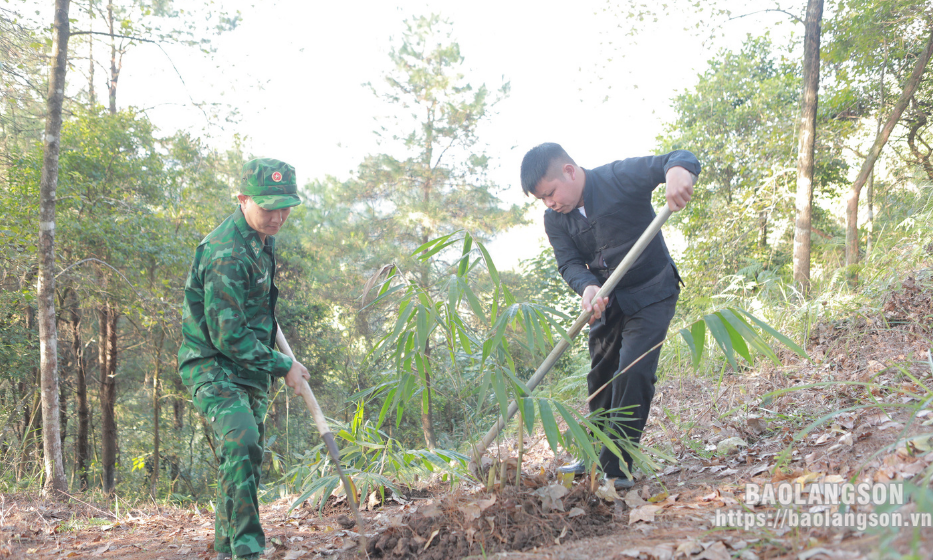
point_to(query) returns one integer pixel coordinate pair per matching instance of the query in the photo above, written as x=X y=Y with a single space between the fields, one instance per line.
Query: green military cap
x=271 y=183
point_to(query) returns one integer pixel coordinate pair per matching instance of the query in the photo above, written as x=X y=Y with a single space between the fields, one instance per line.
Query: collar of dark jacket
x=589 y=186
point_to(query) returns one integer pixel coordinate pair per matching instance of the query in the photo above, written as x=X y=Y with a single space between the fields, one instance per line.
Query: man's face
x=561 y=193
x=266 y=222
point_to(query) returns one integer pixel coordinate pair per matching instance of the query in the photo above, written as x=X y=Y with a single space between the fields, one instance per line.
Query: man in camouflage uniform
x=226 y=357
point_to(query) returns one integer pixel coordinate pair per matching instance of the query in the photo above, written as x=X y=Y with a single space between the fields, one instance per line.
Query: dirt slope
x=872 y=371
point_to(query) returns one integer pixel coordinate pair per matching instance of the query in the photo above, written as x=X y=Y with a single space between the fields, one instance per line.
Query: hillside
x=859 y=411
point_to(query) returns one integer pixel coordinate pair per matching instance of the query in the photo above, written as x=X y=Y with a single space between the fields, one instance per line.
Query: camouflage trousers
x=236 y=413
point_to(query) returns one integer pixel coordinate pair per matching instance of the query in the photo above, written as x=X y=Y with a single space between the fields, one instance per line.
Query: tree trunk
x=81 y=444
x=63 y=405
x=30 y=405
x=32 y=412
x=48 y=330
x=91 y=97
x=108 y=392
x=870 y=218
x=116 y=63
x=852 y=246
x=178 y=403
x=156 y=415
x=806 y=142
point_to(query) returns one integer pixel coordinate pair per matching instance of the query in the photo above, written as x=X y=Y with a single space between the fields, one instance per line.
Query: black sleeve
x=650 y=171
x=570 y=263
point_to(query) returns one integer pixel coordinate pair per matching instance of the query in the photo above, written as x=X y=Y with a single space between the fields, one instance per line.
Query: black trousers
x=615 y=342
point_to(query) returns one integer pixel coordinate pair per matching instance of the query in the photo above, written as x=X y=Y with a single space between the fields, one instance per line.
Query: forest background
x=151 y=149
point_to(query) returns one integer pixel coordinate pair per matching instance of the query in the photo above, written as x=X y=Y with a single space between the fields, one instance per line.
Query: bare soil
x=872 y=372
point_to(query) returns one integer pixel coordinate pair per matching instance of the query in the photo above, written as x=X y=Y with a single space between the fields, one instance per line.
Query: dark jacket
x=617 y=201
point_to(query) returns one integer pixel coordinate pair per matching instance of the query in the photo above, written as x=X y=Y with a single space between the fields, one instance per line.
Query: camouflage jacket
x=228 y=323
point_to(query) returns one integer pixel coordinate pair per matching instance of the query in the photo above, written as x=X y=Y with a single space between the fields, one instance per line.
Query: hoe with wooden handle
x=305 y=391
x=480 y=449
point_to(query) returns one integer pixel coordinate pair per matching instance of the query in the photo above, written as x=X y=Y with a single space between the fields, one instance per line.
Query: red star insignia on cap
x=276 y=176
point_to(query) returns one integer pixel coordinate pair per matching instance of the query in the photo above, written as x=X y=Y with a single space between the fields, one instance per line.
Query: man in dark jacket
x=594 y=217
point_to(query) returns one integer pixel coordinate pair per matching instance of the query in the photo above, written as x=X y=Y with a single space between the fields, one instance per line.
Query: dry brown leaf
x=716 y=551
x=487 y=503
x=661 y=552
x=429 y=510
x=550 y=497
x=101 y=550
x=710 y=497
x=757 y=425
x=643 y=513
x=607 y=492
x=470 y=512
x=575 y=512
x=688 y=548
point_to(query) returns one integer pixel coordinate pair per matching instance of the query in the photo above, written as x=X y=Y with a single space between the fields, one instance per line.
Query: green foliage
x=741 y=120
x=472 y=336
x=374 y=462
x=733 y=334
x=872 y=47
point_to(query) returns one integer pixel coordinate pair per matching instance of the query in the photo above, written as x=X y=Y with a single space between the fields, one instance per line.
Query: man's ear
x=242 y=198
x=570 y=170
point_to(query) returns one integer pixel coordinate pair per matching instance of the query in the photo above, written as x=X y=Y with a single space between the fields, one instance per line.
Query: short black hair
x=539 y=161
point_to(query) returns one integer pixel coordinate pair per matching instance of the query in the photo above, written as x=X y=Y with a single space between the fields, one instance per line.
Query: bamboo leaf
x=386 y=406
x=422 y=330
x=518 y=382
x=465 y=258
x=770 y=330
x=528 y=405
x=721 y=336
x=465 y=342
x=407 y=391
x=749 y=333
x=529 y=333
x=475 y=305
x=384 y=293
x=542 y=333
x=603 y=437
x=579 y=435
x=696 y=341
x=551 y=431
x=433 y=246
x=453 y=298
x=738 y=343
x=490 y=266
